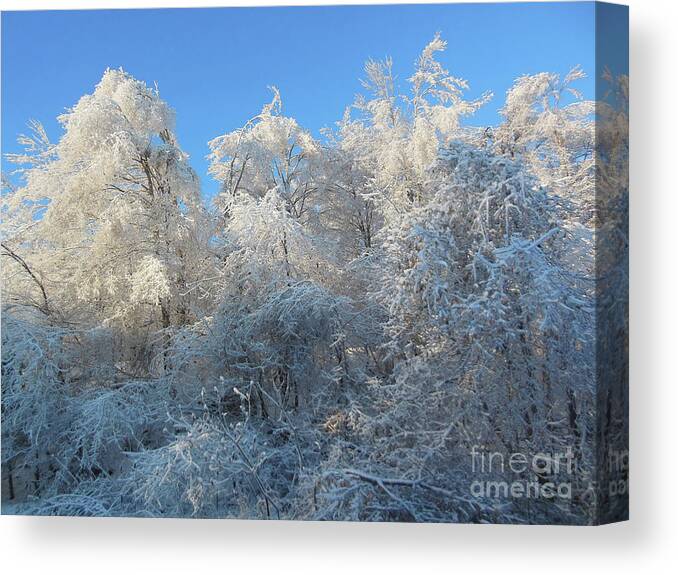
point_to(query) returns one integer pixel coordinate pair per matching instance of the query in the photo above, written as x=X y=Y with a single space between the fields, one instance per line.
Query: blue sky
x=214 y=65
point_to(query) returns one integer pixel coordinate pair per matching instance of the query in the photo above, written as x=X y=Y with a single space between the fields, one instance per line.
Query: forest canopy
x=336 y=332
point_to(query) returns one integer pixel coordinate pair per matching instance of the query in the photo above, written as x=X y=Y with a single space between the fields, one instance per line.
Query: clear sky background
x=213 y=66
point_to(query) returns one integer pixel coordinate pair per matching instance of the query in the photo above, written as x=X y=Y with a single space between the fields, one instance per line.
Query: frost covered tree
x=395 y=137
x=109 y=227
x=271 y=152
x=548 y=122
x=101 y=241
x=277 y=304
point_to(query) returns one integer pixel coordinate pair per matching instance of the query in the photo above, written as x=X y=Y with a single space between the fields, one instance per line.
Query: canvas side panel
x=612 y=263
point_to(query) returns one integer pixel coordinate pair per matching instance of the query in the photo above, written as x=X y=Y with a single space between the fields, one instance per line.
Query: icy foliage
x=271 y=152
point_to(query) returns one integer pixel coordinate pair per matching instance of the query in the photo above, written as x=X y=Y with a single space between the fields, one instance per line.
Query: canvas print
x=346 y=263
